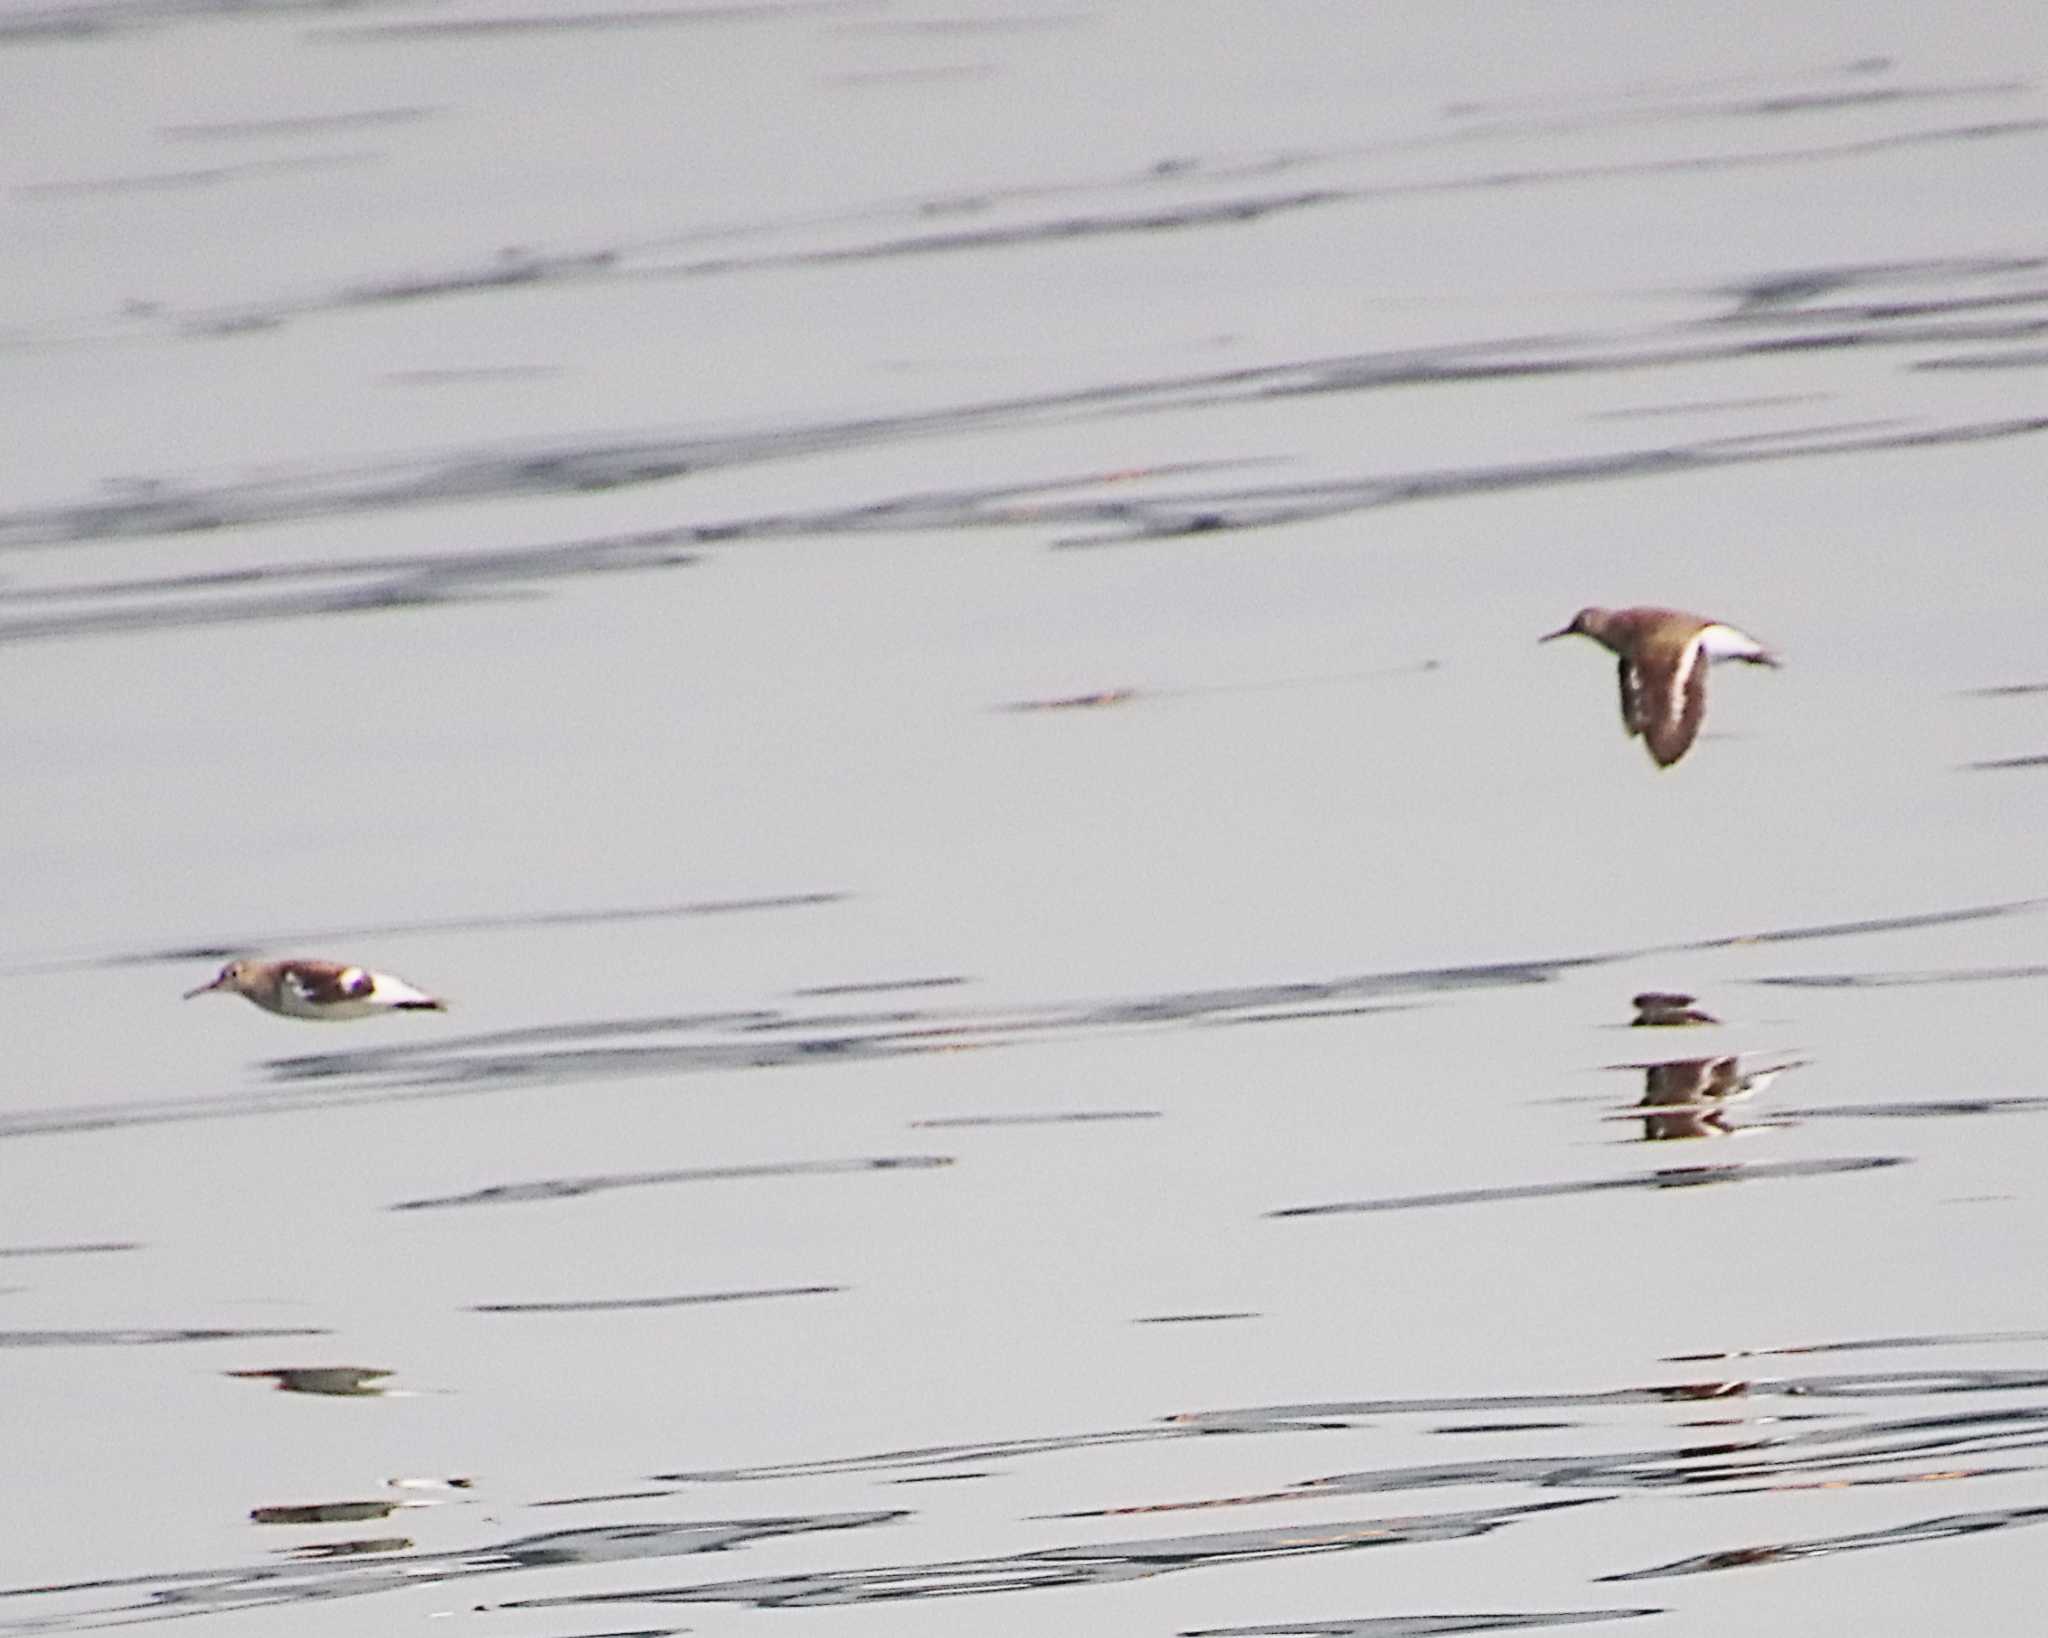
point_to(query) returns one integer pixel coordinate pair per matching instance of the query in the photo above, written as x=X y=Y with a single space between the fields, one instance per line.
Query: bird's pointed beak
x=1552 y=636
x=203 y=989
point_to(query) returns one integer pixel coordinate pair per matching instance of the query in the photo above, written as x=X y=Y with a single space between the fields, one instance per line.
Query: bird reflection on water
x=1689 y=1097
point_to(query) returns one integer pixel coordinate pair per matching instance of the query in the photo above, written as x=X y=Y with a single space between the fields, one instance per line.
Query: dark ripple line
x=1922 y=1108
x=194 y=176
x=1419 y=1626
x=486 y=924
x=1327 y=1413
x=605 y=463
x=570 y=1188
x=1878 y=1453
x=463 y=1066
x=465 y=28
x=1878 y=980
x=606 y=1305
x=1315 y=1416
x=1947 y=1527
x=222 y=948
x=1091 y=1564
x=145 y=1337
x=2036 y=761
x=175 y=1594
x=1072 y=1117
x=1857 y=1345
x=632 y=261
x=296 y=125
x=1677 y=1177
x=334 y=587
x=878 y=986
x=68 y=19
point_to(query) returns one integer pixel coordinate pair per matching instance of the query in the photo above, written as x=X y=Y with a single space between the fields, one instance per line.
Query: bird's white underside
x=386 y=992
x=1726 y=643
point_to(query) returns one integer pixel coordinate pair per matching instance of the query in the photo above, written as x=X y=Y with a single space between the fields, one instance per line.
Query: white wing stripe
x=1726 y=643
x=1674 y=699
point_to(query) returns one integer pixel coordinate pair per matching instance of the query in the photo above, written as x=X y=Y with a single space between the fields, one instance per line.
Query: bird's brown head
x=1591 y=622
x=232 y=978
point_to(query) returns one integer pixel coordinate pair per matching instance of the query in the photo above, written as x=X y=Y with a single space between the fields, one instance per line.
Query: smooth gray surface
x=738 y=249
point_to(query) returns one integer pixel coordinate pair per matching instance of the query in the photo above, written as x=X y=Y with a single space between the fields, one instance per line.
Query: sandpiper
x=1665 y=1009
x=1664 y=655
x=319 y=989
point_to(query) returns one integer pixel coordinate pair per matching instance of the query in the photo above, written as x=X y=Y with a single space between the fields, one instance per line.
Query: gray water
x=925 y=618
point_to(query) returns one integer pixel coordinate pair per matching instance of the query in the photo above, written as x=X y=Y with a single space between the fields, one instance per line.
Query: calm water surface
x=925 y=616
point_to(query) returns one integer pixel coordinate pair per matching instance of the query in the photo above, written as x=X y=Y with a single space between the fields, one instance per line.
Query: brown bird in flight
x=318 y=989
x=1664 y=659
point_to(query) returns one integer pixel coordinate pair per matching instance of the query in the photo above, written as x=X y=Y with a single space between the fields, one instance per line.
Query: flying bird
x=1664 y=659
x=326 y=990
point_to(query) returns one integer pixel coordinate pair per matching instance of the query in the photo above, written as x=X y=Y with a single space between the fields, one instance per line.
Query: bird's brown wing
x=325 y=982
x=1674 y=697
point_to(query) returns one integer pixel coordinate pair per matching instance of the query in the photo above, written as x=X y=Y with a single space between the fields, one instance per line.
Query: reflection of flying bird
x=1664 y=1008
x=1698 y=1120
x=345 y=1381
x=1688 y=1097
x=1664 y=659
x=318 y=989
